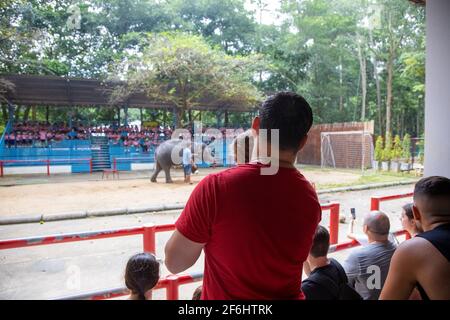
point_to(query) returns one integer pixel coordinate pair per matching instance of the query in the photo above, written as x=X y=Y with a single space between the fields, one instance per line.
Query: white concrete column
x=437 y=89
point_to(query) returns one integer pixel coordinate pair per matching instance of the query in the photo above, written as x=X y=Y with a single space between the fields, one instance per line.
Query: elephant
x=163 y=156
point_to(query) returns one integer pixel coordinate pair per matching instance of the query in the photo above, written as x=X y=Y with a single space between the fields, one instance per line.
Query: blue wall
x=136 y=155
x=66 y=149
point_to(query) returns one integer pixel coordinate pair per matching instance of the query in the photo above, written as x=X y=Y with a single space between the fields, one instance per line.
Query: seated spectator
x=362 y=238
x=367 y=267
x=424 y=261
x=141 y=275
x=407 y=220
x=326 y=277
x=197 y=295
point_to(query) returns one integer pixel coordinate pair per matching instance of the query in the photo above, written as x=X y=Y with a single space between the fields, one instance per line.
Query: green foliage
x=397 y=148
x=311 y=49
x=406 y=148
x=185 y=71
x=379 y=149
x=387 y=151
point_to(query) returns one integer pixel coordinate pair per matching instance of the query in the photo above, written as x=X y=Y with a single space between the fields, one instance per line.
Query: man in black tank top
x=424 y=261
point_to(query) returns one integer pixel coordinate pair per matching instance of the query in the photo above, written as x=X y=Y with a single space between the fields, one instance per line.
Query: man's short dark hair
x=321 y=242
x=435 y=193
x=291 y=114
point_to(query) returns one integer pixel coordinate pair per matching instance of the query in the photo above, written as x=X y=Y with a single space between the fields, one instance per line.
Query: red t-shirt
x=258 y=231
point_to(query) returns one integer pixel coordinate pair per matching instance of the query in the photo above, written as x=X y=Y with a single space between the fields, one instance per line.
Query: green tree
x=406 y=147
x=184 y=71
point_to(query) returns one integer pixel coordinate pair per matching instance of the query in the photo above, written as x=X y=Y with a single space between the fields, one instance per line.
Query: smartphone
x=353 y=212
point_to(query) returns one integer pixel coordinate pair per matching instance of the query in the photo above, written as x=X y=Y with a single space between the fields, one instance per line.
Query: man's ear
x=303 y=142
x=416 y=213
x=255 y=124
x=365 y=228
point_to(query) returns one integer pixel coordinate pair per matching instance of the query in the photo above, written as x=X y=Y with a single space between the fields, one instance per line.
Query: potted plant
x=376 y=163
x=387 y=154
x=405 y=163
x=396 y=154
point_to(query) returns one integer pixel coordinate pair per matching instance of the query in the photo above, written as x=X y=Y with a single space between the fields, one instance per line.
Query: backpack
x=342 y=290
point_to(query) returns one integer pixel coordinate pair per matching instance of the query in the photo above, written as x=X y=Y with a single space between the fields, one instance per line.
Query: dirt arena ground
x=24 y=195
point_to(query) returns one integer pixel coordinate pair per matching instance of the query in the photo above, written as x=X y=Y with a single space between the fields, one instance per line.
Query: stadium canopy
x=75 y=92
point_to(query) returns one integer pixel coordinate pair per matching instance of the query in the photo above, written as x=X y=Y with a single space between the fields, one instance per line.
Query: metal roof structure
x=75 y=92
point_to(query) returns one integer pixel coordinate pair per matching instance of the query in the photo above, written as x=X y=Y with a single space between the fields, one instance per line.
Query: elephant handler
x=187 y=163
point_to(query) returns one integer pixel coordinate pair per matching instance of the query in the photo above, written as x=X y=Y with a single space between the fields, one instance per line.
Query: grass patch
x=369 y=177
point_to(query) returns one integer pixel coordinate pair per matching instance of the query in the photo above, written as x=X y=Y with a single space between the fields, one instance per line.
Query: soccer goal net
x=346 y=149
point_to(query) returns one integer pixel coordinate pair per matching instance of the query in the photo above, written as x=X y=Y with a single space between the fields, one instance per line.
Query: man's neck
x=318 y=262
x=286 y=158
x=434 y=224
x=371 y=240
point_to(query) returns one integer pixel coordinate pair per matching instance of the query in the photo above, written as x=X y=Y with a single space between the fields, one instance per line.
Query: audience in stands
x=141 y=275
x=255 y=229
x=326 y=277
x=407 y=220
x=423 y=262
x=367 y=267
x=41 y=134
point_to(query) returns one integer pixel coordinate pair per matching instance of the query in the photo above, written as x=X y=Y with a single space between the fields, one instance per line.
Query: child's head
x=141 y=274
x=197 y=294
x=243 y=147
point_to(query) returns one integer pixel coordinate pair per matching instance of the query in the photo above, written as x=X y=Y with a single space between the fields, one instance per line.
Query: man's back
x=367 y=268
x=258 y=230
x=432 y=251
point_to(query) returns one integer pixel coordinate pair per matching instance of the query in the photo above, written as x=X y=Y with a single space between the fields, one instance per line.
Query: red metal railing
x=375 y=201
x=172 y=282
x=148 y=233
x=46 y=162
x=334 y=208
x=354 y=243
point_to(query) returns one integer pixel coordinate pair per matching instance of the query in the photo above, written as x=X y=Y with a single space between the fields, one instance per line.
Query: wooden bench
x=107 y=172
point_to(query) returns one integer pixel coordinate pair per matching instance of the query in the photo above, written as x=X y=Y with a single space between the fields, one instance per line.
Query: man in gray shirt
x=367 y=267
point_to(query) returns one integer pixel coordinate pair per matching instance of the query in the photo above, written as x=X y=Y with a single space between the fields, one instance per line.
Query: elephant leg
x=167 y=172
x=158 y=169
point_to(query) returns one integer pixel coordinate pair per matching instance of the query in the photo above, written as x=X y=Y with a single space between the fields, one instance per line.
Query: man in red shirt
x=256 y=229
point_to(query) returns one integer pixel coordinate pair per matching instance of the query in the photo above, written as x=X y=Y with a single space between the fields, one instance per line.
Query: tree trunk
x=390 y=65
x=377 y=83
x=17 y=114
x=5 y=113
x=26 y=114
x=226 y=118
x=47 y=114
x=341 y=99
x=33 y=113
x=362 y=68
x=178 y=116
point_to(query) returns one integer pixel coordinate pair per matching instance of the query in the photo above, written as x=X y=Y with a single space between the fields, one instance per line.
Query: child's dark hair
x=141 y=273
x=408 y=210
x=197 y=295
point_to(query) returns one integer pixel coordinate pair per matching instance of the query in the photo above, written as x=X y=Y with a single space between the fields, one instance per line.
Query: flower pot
x=395 y=166
x=376 y=165
x=385 y=165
